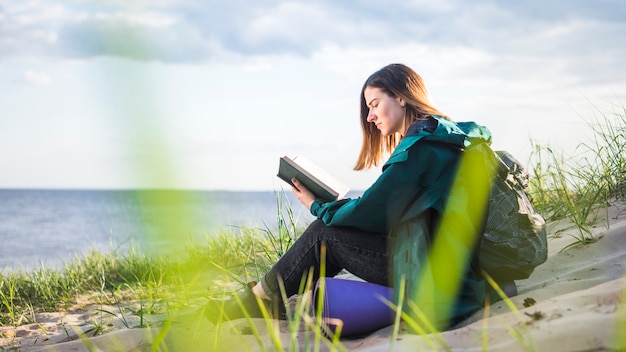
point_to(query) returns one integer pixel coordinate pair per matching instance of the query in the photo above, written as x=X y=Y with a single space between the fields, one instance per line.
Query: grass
x=49 y=289
x=578 y=188
x=141 y=284
x=581 y=187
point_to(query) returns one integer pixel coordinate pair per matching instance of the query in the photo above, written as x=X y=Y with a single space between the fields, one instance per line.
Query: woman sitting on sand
x=396 y=221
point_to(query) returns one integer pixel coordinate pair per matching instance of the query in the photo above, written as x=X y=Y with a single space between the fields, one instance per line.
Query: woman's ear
x=401 y=101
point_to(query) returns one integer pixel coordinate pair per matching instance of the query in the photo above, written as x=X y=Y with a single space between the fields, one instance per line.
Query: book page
x=322 y=175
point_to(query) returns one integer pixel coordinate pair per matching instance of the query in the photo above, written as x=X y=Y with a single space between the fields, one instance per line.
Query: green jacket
x=408 y=201
x=415 y=177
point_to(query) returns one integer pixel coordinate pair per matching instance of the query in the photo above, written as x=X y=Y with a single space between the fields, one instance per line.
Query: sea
x=50 y=227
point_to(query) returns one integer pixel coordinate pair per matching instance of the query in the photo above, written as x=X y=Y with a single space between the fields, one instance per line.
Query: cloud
x=42 y=29
x=143 y=37
x=26 y=31
x=37 y=78
x=572 y=38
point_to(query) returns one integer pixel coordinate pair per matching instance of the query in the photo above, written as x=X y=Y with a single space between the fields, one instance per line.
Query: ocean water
x=50 y=227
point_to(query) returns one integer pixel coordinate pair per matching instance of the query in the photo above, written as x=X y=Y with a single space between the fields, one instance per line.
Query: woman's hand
x=304 y=195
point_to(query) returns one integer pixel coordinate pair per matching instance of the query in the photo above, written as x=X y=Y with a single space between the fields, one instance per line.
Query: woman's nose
x=370 y=117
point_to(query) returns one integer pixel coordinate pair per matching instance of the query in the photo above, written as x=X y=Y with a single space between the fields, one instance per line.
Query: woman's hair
x=396 y=80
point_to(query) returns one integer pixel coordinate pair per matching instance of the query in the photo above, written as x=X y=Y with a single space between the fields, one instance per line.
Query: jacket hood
x=438 y=129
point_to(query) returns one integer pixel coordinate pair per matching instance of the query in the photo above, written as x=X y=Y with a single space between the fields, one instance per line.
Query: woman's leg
x=362 y=253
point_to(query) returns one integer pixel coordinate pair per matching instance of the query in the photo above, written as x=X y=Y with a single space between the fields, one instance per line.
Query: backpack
x=514 y=241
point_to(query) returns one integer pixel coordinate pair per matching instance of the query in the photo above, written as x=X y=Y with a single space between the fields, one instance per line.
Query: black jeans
x=362 y=253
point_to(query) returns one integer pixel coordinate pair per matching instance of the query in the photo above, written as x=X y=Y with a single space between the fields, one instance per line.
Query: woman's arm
x=418 y=180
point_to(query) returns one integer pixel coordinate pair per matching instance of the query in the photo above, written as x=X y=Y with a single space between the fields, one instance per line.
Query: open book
x=323 y=185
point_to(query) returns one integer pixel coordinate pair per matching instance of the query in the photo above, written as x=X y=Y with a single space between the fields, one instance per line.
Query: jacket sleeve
x=410 y=179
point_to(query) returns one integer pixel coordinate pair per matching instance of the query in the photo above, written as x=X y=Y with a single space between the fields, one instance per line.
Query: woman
x=365 y=235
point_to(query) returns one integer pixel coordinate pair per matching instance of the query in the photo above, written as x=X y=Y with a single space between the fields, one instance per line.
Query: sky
x=208 y=95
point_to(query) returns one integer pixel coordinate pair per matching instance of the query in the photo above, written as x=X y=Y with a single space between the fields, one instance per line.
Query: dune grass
x=142 y=283
x=578 y=188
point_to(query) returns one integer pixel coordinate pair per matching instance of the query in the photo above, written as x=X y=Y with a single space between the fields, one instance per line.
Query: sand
x=576 y=301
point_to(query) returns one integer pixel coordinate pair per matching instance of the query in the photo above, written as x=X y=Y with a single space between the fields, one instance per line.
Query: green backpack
x=514 y=241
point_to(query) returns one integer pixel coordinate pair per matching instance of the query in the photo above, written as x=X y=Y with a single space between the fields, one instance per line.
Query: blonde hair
x=395 y=80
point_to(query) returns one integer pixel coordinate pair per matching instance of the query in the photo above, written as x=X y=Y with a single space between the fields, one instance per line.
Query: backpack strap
x=512 y=167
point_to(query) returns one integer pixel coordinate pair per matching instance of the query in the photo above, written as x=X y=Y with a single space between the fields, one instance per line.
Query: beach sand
x=576 y=301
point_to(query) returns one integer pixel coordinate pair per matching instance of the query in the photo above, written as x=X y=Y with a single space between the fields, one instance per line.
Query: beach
x=575 y=301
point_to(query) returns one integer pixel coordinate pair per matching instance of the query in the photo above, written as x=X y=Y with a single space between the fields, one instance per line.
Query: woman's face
x=385 y=111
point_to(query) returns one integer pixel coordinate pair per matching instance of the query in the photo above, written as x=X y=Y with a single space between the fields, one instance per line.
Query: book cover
x=319 y=182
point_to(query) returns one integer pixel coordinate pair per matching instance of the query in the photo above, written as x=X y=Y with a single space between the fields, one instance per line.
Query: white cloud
x=192 y=31
x=37 y=78
x=303 y=28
